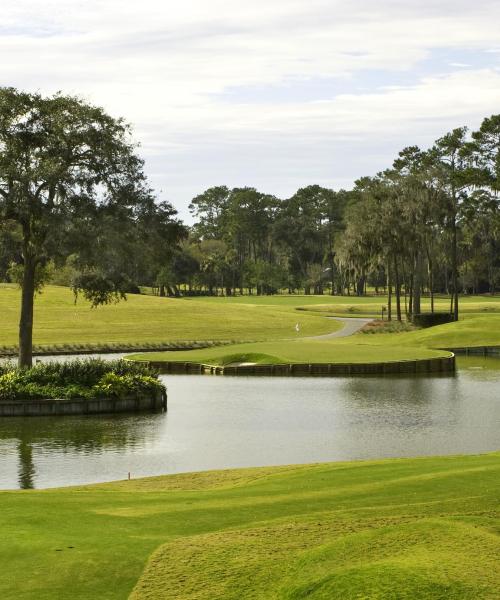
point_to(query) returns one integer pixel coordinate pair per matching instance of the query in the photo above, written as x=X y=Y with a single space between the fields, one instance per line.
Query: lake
x=223 y=422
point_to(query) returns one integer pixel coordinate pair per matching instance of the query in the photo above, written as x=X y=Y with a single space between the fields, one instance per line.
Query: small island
x=90 y=386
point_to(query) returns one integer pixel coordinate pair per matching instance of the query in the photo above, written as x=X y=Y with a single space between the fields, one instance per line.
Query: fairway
x=59 y=320
x=268 y=320
x=361 y=306
x=399 y=529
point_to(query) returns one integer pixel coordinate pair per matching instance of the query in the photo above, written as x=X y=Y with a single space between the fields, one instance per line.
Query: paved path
x=351 y=325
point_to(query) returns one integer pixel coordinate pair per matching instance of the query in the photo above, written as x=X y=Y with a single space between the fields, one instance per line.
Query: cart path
x=351 y=326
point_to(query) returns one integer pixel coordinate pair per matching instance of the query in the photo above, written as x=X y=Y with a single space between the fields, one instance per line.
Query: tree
x=159 y=236
x=449 y=153
x=64 y=165
x=299 y=229
x=210 y=208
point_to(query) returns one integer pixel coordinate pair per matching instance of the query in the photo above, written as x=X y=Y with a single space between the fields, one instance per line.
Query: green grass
x=58 y=320
x=148 y=319
x=394 y=529
x=359 y=348
x=474 y=331
x=354 y=306
x=298 y=351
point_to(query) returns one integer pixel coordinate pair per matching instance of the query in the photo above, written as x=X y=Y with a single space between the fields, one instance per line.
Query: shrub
x=431 y=319
x=379 y=326
x=77 y=379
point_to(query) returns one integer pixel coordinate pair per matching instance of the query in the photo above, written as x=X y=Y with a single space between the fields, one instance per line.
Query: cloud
x=262 y=92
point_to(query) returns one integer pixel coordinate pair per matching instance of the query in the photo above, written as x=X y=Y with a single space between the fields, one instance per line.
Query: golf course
x=394 y=529
x=256 y=328
x=379 y=529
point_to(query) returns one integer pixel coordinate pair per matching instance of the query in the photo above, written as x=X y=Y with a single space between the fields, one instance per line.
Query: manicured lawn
x=394 y=529
x=372 y=307
x=359 y=348
x=150 y=319
x=58 y=320
x=298 y=351
x=472 y=331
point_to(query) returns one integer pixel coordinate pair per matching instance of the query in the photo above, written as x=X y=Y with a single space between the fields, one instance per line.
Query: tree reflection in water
x=26 y=466
x=80 y=434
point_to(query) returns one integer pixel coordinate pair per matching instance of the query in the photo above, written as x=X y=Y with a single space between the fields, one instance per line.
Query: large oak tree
x=67 y=170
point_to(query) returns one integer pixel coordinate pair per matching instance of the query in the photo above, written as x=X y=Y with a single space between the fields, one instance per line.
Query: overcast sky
x=275 y=94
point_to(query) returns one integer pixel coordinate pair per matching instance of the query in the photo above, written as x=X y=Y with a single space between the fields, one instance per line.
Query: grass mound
x=404 y=528
x=329 y=559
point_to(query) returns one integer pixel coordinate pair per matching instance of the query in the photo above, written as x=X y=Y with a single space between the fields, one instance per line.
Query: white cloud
x=166 y=67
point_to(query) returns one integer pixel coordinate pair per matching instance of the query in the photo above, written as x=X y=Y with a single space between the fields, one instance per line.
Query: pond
x=222 y=422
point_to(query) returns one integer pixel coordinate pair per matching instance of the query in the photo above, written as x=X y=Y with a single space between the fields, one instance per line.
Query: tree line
x=76 y=209
x=429 y=224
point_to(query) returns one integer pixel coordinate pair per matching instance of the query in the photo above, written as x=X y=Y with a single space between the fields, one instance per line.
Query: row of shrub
x=114 y=347
x=91 y=378
x=378 y=326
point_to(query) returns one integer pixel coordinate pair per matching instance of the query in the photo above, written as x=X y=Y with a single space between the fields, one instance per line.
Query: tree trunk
x=417 y=284
x=454 y=266
x=431 y=281
x=398 y=288
x=360 y=285
x=162 y=291
x=389 y=293
x=26 y=320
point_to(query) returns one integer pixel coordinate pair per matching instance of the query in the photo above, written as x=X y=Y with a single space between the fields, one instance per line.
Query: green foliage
x=90 y=378
x=98 y=288
x=112 y=384
x=43 y=274
x=431 y=319
x=387 y=327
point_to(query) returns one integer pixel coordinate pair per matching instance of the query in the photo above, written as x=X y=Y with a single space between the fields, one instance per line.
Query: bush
x=77 y=379
x=431 y=319
x=379 y=326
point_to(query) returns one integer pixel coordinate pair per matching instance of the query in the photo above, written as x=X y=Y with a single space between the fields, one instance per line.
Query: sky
x=273 y=94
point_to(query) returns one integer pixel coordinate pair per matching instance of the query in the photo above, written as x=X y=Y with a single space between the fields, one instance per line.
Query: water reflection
x=69 y=437
x=218 y=422
x=26 y=465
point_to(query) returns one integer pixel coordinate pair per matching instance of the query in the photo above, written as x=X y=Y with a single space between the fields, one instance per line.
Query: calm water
x=220 y=422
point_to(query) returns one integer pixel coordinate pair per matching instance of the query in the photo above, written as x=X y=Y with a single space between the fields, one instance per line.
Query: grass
x=297 y=351
x=473 y=331
x=269 y=320
x=394 y=529
x=58 y=320
x=364 y=306
x=360 y=348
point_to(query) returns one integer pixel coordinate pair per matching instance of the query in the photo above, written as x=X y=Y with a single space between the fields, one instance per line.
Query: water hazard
x=222 y=422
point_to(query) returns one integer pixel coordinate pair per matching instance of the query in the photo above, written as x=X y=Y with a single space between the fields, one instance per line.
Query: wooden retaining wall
x=429 y=365
x=477 y=350
x=80 y=406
